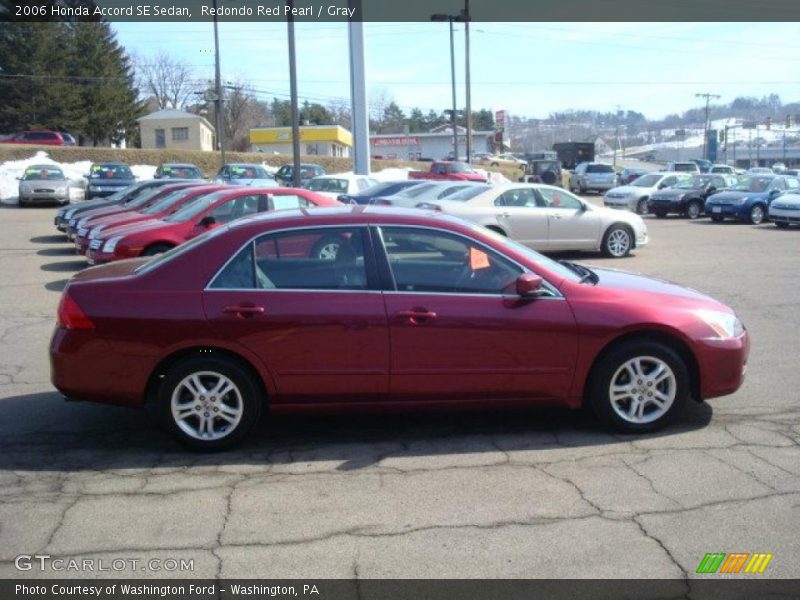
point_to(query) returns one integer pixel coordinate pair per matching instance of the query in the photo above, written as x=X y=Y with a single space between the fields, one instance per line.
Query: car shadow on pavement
x=43 y=432
x=49 y=239
x=59 y=251
x=61 y=267
x=56 y=286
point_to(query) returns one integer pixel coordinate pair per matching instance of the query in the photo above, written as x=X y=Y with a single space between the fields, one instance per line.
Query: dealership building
x=315 y=140
x=435 y=144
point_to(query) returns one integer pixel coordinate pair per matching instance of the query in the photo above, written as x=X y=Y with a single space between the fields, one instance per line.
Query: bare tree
x=340 y=113
x=165 y=78
x=241 y=112
x=379 y=99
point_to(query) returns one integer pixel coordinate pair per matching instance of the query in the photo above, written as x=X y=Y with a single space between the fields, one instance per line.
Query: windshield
x=167 y=201
x=697 y=181
x=327 y=184
x=195 y=208
x=752 y=184
x=42 y=172
x=249 y=172
x=111 y=172
x=547 y=263
x=462 y=168
x=468 y=193
x=181 y=172
x=647 y=180
x=143 y=198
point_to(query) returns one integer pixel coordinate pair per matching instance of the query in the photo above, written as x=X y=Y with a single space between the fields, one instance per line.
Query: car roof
x=110 y=164
x=172 y=164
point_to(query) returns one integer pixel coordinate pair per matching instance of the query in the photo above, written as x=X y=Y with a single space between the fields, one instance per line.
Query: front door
x=570 y=227
x=457 y=329
x=317 y=323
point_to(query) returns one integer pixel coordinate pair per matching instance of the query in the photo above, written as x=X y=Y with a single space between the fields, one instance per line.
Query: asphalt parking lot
x=523 y=494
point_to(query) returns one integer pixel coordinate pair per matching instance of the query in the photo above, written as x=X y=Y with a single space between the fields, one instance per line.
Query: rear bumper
x=85 y=367
x=722 y=365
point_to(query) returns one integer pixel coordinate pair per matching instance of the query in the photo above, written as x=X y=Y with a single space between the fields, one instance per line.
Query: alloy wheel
x=618 y=243
x=206 y=405
x=642 y=390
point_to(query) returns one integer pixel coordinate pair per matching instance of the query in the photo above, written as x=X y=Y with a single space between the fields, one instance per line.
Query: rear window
x=599 y=169
x=468 y=193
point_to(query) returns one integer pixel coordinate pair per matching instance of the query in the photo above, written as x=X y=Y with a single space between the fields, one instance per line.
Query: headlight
x=725 y=325
x=740 y=201
x=111 y=244
x=95 y=231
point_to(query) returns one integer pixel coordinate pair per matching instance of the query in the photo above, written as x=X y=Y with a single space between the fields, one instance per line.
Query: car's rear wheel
x=642 y=206
x=693 y=209
x=781 y=225
x=757 y=214
x=639 y=386
x=617 y=241
x=209 y=403
x=156 y=249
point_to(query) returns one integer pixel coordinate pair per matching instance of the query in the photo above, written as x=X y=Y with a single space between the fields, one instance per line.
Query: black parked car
x=285 y=175
x=388 y=188
x=688 y=197
x=105 y=179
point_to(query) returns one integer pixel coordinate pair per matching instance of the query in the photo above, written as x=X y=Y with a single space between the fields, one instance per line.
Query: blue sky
x=529 y=69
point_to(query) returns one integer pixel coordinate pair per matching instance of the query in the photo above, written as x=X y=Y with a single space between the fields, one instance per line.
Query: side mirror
x=529 y=286
x=712 y=189
x=774 y=192
x=583 y=207
x=207 y=221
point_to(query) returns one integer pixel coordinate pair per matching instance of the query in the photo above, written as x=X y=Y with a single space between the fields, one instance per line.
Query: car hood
x=733 y=195
x=628 y=190
x=787 y=201
x=137 y=227
x=636 y=283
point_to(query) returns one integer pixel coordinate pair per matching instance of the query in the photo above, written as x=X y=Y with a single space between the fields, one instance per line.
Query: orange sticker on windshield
x=478 y=260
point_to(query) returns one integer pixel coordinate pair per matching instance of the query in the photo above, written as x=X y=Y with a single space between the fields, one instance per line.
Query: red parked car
x=415 y=309
x=41 y=137
x=169 y=202
x=446 y=170
x=149 y=238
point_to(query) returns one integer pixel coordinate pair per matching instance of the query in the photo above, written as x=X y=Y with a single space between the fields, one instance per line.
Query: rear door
x=523 y=216
x=318 y=324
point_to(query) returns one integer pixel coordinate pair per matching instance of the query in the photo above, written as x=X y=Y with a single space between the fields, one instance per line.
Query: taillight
x=71 y=316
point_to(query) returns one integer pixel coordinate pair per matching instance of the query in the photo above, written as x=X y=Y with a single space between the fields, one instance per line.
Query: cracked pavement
x=540 y=493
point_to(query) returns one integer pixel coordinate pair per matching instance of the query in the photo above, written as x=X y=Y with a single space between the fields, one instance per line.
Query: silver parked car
x=635 y=195
x=43 y=184
x=589 y=176
x=547 y=218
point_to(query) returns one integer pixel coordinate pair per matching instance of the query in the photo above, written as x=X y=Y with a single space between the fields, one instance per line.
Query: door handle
x=416 y=316
x=244 y=311
x=505 y=215
x=556 y=216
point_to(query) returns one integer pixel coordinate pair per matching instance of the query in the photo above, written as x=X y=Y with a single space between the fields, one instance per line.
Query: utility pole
x=708 y=97
x=358 y=92
x=454 y=111
x=467 y=80
x=218 y=85
x=295 y=113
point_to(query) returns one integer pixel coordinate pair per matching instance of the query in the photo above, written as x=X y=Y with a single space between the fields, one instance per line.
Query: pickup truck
x=450 y=171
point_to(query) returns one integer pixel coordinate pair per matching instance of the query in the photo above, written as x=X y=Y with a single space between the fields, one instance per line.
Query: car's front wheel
x=617 y=241
x=642 y=206
x=639 y=386
x=209 y=403
x=757 y=214
x=693 y=210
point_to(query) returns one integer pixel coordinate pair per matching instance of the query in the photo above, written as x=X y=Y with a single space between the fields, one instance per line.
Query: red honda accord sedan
x=422 y=309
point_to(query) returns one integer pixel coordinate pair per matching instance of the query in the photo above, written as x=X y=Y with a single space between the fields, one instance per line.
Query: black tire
x=717 y=218
x=327 y=248
x=548 y=177
x=781 y=225
x=245 y=397
x=642 y=206
x=758 y=214
x=494 y=164
x=612 y=364
x=23 y=203
x=613 y=246
x=156 y=249
x=582 y=189
x=694 y=209
x=661 y=214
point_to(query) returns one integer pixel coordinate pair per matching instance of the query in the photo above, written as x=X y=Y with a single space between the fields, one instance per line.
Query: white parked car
x=636 y=194
x=547 y=218
x=722 y=170
x=333 y=186
x=785 y=210
x=429 y=192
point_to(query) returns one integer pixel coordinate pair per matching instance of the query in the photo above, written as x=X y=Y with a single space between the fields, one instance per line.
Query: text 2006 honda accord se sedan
x=374 y=308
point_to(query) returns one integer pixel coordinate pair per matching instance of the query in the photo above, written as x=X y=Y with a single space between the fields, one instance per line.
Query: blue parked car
x=749 y=199
x=388 y=188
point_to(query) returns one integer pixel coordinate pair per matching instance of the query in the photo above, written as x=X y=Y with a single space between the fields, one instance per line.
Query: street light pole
x=708 y=97
x=467 y=81
x=454 y=111
x=218 y=85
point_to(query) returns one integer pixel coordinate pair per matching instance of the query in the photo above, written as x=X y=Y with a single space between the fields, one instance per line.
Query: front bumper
x=722 y=365
x=626 y=203
x=730 y=211
x=783 y=215
x=42 y=198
